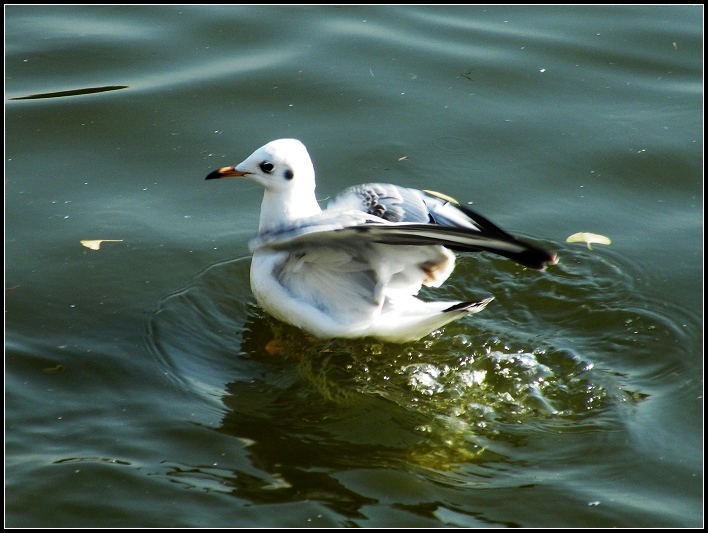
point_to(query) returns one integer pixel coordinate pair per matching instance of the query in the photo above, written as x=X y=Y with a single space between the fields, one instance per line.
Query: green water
x=141 y=388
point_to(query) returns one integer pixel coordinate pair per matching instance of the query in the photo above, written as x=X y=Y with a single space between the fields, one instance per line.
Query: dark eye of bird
x=288 y=174
x=267 y=167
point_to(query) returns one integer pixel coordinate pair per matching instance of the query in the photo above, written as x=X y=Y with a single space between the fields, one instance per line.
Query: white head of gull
x=354 y=269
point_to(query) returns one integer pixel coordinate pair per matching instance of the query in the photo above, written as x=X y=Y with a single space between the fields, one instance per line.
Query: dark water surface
x=141 y=386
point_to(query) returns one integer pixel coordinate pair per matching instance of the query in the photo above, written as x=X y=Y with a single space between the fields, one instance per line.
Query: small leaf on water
x=589 y=239
x=95 y=245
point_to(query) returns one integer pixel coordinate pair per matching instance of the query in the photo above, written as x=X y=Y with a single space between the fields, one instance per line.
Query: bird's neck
x=282 y=209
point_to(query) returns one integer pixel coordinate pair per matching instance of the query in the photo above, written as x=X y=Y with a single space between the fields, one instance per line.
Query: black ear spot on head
x=267 y=167
x=288 y=174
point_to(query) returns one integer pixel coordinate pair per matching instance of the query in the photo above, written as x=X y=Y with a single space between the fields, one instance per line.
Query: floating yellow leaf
x=589 y=239
x=95 y=245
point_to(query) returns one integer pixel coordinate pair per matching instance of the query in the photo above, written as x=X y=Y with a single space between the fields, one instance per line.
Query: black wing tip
x=470 y=307
x=531 y=256
x=547 y=260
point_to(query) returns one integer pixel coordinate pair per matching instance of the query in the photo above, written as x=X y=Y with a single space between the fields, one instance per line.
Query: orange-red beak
x=226 y=172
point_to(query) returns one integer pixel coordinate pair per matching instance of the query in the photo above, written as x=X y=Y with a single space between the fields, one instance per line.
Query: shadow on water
x=476 y=404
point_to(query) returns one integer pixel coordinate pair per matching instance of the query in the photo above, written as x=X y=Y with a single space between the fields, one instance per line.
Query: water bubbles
x=424 y=379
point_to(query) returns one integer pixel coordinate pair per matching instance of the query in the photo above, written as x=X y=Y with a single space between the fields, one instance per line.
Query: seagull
x=354 y=269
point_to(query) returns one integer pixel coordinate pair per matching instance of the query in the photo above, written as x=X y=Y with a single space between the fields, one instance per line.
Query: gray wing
x=458 y=239
x=433 y=219
x=383 y=200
